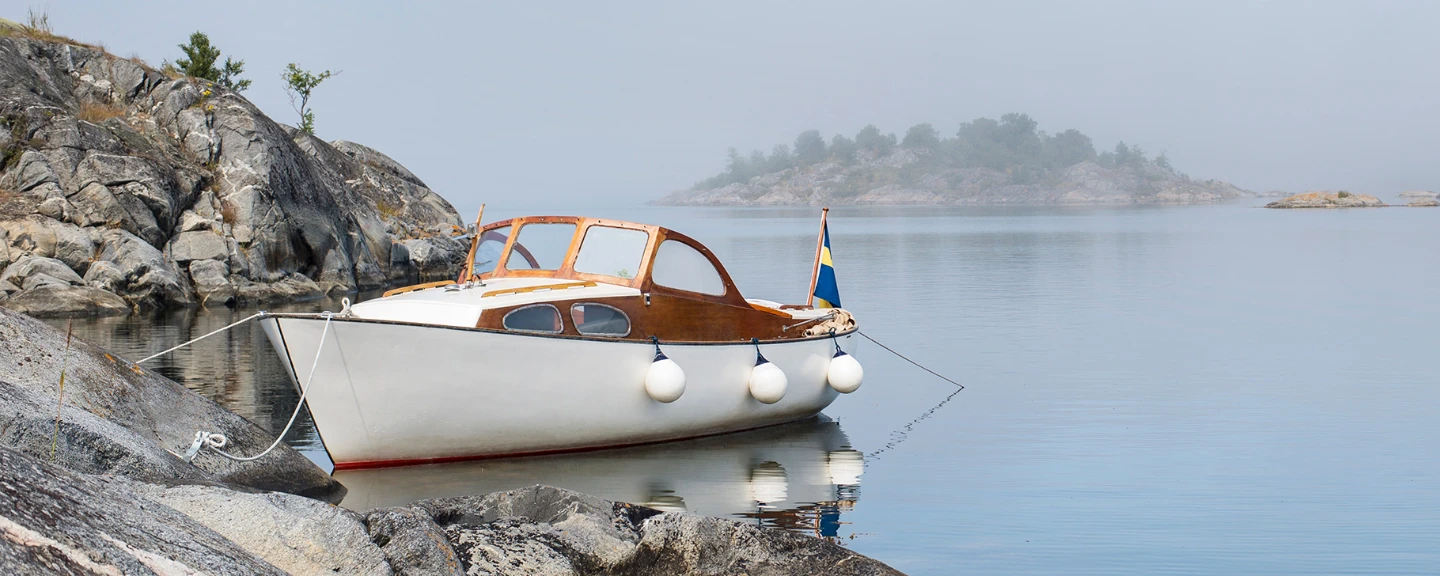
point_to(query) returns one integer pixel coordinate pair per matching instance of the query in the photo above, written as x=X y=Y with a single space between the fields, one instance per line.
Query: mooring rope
x=216 y=441
x=247 y=319
x=917 y=364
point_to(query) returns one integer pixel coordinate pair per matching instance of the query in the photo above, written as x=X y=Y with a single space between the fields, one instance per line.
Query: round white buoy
x=768 y=382
x=665 y=381
x=845 y=373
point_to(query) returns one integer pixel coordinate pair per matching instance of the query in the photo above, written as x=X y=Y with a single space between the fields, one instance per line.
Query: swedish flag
x=827 y=291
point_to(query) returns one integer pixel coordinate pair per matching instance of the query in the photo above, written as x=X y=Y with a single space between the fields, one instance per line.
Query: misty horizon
x=566 y=105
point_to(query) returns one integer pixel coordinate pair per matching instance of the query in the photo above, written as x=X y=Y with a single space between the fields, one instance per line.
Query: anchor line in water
x=899 y=436
x=917 y=364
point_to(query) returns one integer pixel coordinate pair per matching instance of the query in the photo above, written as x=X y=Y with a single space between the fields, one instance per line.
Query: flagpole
x=474 y=242
x=819 y=246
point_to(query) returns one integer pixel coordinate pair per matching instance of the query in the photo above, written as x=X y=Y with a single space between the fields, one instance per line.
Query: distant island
x=1005 y=161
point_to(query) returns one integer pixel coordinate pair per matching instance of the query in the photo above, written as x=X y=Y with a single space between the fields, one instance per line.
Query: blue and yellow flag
x=827 y=291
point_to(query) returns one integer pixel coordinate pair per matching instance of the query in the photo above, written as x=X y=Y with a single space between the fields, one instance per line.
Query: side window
x=543 y=318
x=543 y=245
x=487 y=253
x=600 y=320
x=681 y=267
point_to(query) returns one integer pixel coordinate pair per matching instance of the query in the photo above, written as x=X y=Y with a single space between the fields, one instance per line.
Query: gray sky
x=585 y=103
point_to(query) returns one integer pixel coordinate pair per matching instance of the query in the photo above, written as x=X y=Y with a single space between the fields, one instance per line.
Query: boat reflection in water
x=799 y=476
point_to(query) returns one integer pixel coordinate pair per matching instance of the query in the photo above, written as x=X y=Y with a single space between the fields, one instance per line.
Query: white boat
x=563 y=334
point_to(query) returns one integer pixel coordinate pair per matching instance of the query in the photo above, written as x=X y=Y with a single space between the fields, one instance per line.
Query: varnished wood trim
x=560 y=286
x=769 y=310
x=438 y=284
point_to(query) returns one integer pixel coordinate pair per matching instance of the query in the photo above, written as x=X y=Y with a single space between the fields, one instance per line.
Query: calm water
x=1214 y=389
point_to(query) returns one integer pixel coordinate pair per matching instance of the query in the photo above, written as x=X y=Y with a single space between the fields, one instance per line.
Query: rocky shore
x=95 y=488
x=1341 y=199
x=122 y=188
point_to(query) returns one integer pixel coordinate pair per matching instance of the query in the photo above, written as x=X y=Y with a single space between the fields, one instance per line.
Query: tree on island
x=1013 y=145
x=810 y=148
x=921 y=136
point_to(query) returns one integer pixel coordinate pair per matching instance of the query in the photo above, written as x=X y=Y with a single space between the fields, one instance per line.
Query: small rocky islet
x=1320 y=199
x=1344 y=199
x=1420 y=198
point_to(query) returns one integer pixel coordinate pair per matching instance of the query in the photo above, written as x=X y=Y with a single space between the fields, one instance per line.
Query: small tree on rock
x=199 y=62
x=298 y=85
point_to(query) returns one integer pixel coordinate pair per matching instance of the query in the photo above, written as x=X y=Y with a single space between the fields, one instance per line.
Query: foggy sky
x=583 y=103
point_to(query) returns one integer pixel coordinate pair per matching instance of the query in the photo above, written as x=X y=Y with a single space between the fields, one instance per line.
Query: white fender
x=845 y=373
x=665 y=380
x=768 y=382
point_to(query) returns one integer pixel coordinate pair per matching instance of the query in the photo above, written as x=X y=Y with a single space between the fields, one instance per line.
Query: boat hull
x=388 y=393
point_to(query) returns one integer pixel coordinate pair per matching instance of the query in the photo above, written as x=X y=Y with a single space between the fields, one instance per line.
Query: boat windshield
x=611 y=251
x=545 y=245
x=487 y=253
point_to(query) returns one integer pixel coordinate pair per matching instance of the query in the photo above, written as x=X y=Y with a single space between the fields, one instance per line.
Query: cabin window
x=487 y=253
x=611 y=251
x=543 y=318
x=600 y=320
x=682 y=267
x=543 y=246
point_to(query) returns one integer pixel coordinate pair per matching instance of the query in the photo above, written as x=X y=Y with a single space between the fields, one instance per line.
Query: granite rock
x=120 y=418
x=413 y=543
x=194 y=172
x=55 y=521
x=548 y=530
x=296 y=534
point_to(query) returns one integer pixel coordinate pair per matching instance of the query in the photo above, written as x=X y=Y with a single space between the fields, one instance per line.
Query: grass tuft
x=228 y=213
x=96 y=113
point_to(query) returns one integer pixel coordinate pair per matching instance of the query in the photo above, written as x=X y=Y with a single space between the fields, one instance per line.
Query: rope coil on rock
x=216 y=441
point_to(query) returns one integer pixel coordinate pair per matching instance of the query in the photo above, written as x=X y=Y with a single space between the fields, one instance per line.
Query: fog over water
x=577 y=104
